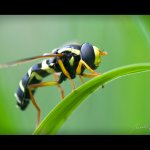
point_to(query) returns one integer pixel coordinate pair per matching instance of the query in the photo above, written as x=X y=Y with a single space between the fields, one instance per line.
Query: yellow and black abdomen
x=34 y=75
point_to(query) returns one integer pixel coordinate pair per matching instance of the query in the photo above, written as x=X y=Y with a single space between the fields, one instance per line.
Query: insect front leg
x=87 y=75
x=81 y=63
x=88 y=67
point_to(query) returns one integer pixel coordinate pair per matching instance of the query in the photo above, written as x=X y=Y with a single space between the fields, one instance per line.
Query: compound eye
x=87 y=54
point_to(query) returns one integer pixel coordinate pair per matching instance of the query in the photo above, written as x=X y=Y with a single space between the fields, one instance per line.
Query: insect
x=63 y=63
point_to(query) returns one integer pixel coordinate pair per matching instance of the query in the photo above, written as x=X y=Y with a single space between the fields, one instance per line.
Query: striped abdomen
x=34 y=75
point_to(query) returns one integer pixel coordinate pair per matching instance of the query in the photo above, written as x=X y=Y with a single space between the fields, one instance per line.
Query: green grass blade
x=61 y=112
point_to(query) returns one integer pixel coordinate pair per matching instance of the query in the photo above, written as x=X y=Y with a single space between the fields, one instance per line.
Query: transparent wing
x=26 y=60
x=73 y=42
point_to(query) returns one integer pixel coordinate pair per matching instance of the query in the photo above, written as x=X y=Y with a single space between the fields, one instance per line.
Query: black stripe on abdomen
x=22 y=100
x=34 y=76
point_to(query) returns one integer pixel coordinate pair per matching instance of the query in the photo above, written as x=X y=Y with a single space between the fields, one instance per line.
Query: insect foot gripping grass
x=63 y=63
x=57 y=116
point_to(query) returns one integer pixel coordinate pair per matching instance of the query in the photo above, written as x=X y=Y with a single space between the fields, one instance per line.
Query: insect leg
x=33 y=86
x=81 y=62
x=66 y=73
x=87 y=75
x=36 y=106
x=88 y=67
x=81 y=79
x=78 y=71
x=59 y=87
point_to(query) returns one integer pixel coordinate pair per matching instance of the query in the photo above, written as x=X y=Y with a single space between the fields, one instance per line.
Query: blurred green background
x=122 y=107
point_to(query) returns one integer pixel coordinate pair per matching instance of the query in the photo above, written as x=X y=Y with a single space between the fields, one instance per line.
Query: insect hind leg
x=32 y=87
x=59 y=86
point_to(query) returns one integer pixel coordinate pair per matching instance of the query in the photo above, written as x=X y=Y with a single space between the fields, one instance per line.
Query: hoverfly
x=64 y=63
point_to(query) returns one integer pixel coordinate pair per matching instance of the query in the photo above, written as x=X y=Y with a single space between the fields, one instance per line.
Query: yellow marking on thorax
x=72 y=50
x=71 y=61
